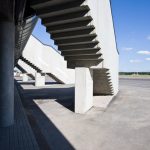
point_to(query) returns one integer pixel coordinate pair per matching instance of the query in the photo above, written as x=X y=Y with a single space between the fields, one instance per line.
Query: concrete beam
x=83 y=89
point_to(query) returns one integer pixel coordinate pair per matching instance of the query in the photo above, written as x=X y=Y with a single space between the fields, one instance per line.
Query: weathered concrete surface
x=125 y=125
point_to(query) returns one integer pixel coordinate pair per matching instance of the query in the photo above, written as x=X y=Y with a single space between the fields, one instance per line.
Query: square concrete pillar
x=7 y=48
x=83 y=89
x=24 y=77
x=39 y=79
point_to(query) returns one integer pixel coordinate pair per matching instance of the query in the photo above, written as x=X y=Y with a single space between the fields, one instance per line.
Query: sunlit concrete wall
x=100 y=10
x=26 y=67
x=48 y=60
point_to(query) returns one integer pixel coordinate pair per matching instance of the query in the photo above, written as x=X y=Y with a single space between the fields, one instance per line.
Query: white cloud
x=147 y=59
x=148 y=38
x=144 y=52
x=135 y=61
x=127 y=48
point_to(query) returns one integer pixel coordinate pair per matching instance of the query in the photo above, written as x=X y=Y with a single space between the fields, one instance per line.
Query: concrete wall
x=103 y=21
x=48 y=60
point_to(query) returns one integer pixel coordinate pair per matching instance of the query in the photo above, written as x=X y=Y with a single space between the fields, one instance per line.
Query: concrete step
x=103 y=88
x=103 y=93
x=101 y=74
x=74 y=39
x=89 y=44
x=28 y=25
x=72 y=31
x=83 y=63
x=69 y=13
x=103 y=79
x=108 y=84
x=23 y=35
x=25 y=31
x=107 y=76
x=58 y=7
x=82 y=57
x=104 y=82
x=81 y=51
x=39 y=4
x=100 y=69
x=30 y=64
x=70 y=23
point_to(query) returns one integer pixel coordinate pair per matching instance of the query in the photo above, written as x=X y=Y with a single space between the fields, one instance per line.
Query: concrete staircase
x=22 y=34
x=70 y=26
x=34 y=69
x=31 y=64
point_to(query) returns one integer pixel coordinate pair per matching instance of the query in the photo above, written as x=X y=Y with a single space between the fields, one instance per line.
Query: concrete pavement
x=124 y=125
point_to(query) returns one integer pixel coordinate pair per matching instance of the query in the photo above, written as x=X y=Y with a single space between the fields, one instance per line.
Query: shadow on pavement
x=48 y=136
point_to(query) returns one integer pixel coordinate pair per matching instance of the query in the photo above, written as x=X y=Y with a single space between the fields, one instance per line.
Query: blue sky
x=132 y=26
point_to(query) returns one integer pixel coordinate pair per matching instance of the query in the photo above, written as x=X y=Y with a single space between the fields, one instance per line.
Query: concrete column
x=24 y=77
x=39 y=79
x=83 y=89
x=7 y=41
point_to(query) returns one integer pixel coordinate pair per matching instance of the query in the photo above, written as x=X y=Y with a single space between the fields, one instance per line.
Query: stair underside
x=41 y=4
x=71 y=13
x=85 y=51
x=72 y=31
x=71 y=28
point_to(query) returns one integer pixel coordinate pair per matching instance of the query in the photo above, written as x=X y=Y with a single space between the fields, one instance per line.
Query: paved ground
x=125 y=125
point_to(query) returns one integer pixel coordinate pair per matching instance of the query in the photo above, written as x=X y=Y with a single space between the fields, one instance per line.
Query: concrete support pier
x=24 y=77
x=83 y=89
x=7 y=41
x=39 y=79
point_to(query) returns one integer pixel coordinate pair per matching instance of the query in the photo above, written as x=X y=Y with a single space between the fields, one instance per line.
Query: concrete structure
x=24 y=77
x=77 y=27
x=83 y=31
x=39 y=79
x=47 y=60
x=124 y=125
x=83 y=89
x=7 y=29
x=100 y=10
